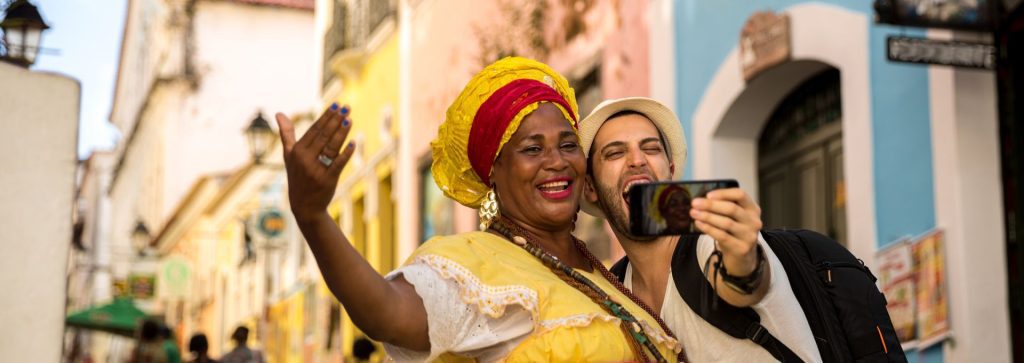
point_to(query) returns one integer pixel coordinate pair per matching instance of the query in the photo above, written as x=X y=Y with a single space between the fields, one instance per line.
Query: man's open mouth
x=630 y=182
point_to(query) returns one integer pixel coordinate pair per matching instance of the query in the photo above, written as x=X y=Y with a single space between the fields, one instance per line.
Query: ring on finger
x=324 y=159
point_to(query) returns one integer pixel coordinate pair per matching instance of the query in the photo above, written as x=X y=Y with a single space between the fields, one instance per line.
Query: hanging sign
x=764 y=43
x=941 y=52
x=949 y=14
x=270 y=223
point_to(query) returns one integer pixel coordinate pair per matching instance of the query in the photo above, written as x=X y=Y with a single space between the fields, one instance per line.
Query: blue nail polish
x=344 y=110
x=344 y=122
x=334 y=106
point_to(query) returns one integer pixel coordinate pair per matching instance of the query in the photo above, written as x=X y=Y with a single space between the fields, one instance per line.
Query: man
x=638 y=140
x=150 y=348
x=242 y=353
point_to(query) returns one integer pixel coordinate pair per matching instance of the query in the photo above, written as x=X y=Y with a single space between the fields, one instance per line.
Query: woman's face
x=537 y=175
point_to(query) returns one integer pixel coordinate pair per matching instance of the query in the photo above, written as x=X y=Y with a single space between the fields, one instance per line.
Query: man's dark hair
x=149 y=331
x=241 y=335
x=661 y=137
x=165 y=331
x=198 y=343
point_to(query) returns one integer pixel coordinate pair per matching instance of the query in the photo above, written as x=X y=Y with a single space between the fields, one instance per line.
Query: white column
x=662 y=52
x=406 y=178
x=968 y=206
x=39 y=158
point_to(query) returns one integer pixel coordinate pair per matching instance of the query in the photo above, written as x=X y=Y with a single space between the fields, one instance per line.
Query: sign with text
x=764 y=43
x=941 y=52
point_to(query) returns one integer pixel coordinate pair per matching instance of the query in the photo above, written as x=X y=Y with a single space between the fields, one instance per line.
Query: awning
x=120 y=317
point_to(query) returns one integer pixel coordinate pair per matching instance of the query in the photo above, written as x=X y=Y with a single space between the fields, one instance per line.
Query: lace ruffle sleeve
x=464 y=317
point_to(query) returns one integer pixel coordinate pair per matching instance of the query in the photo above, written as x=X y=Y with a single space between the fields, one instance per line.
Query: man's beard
x=608 y=199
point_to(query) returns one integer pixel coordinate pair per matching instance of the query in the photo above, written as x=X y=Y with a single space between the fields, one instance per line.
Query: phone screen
x=663 y=208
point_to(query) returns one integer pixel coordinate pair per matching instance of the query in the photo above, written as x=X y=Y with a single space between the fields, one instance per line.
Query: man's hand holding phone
x=732 y=218
x=718 y=208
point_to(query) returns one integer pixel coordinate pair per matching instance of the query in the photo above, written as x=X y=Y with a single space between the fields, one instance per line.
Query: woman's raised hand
x=388 y=311
x=315 y=161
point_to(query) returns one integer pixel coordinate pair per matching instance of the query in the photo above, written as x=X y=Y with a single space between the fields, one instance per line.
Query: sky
x=84 y=42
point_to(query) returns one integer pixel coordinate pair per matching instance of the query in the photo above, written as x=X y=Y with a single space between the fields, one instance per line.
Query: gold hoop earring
x=488 y=209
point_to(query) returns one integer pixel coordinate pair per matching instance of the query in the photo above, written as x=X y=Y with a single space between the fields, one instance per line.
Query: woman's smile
x=556 y=188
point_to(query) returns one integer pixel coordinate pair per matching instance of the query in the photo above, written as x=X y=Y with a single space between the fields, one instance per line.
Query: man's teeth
x=555 y=186
x=631 y=184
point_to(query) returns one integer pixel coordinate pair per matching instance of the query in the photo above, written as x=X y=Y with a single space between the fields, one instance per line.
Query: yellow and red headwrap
x=483 y=118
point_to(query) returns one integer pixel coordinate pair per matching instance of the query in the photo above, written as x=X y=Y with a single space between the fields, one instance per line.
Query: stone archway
x=730 y=116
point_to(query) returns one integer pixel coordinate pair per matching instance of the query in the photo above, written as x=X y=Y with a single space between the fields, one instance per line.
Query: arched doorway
x=800 y=159
x=731 y=112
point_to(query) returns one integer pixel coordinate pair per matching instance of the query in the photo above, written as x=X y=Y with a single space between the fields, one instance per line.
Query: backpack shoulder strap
x=619 y=269
x=740 y=323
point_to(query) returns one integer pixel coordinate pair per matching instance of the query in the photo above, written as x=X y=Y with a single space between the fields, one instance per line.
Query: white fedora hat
x=663 y=118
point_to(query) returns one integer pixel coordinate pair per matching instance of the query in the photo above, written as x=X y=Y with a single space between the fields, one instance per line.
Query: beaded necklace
x=628 y=323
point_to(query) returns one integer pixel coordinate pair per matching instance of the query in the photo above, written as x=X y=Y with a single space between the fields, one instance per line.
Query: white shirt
x=780 y=314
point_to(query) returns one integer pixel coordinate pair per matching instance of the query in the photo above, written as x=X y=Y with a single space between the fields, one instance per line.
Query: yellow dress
x=489 y=300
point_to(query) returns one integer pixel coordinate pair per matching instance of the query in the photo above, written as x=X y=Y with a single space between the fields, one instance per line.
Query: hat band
x=495 y=115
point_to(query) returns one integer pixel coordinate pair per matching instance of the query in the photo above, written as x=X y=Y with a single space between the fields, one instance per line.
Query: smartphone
x=663 y=208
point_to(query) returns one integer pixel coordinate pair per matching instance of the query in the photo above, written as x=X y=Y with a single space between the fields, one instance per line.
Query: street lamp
x=141 y=237
x=260 y=136
x=23 y=28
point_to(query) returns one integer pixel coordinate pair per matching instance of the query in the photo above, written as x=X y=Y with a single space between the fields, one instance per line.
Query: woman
x=522 y=290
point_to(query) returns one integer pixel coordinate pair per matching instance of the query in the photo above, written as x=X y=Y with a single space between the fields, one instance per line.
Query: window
x=437 y=212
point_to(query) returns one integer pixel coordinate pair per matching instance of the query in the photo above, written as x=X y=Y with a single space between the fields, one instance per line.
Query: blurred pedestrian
x=150 y=348
x=242 y=353
x=199 y=346
x=169 y=345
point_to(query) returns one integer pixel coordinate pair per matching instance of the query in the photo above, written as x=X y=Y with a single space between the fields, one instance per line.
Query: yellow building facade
x=363 y=75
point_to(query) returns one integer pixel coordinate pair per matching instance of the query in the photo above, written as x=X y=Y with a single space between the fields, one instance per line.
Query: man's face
x=627 y=150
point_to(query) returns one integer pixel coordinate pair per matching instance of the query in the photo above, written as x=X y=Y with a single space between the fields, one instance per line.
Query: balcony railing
x=353 y=23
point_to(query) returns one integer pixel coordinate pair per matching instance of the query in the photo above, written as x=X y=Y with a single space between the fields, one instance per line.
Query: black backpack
x=837 y=294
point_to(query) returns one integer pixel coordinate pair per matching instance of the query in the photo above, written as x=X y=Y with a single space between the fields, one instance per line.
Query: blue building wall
x=706 y=31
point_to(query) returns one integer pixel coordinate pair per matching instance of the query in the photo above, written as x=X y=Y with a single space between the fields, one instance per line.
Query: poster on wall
x=142 y=286
x=950 y=14
x=896 y=280
x=932 y=301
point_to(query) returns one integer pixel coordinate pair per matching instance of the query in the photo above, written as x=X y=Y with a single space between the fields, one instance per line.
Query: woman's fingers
x=287 y=131
x=341 y=160
x=332 y=149
x=328 y=128
x=317 y=128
